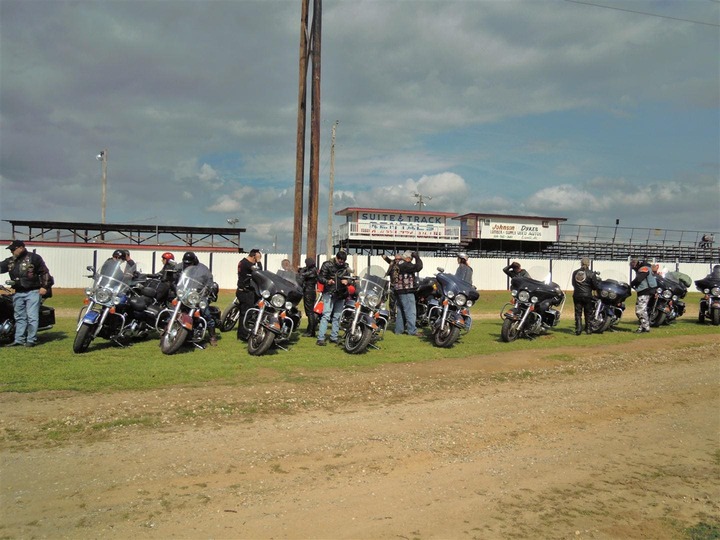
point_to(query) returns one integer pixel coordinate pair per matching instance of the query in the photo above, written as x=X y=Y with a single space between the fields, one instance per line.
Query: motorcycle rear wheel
x=259 y=343
x=510 y=330
x=83 y=338
x=357 y=342
x=230 y=318
x=446 y=336
x=173 y=338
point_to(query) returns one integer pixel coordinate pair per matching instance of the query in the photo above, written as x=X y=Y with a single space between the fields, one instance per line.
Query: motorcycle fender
x=367 y=320
x=513 y=315
x=715 y=304
x=186 y=320
x=91 y=317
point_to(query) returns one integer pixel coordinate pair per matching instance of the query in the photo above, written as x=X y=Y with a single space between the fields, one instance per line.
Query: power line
x=642 y=13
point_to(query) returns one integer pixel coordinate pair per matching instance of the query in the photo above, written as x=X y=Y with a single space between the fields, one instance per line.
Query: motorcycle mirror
x=440 y=269
x=90 y=268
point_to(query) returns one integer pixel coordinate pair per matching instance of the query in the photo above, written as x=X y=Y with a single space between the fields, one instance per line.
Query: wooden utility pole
x=103 y=203
x=329 y=242
x=314 y=191
x=300 y=142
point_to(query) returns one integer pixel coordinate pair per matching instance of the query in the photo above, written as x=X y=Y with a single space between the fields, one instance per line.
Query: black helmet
x=119 y=254
x=214 y=290
x=190 y=259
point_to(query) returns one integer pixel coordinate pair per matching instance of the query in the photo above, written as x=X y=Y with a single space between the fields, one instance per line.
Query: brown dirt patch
x=607 y=442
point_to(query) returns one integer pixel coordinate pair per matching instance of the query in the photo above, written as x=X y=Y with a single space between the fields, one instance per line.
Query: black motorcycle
x=275 y=316
x=532 y=310
x=7 y=315
x=710 y=302
x=185 y=320
x=107 y=313
x=443 y=303
x=608 y=305
x=364 y=317
x=667 y=304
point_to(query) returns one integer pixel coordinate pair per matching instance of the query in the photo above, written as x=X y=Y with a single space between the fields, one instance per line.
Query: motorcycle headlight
x=460 y=300
x=604 y=294
x=89 y=291
x=523 y=296
x=288 y=305
x=103 y=296
x=469 y=303
x=612 y=296
x=534 y=299
x=265 y=293
x=192 y=298
x=450 y=295
x=277 y=300
x=513 y=292
x=373 y=299
x=203 y=304
x=667 y=293
x=715 y=291
x=675 y=298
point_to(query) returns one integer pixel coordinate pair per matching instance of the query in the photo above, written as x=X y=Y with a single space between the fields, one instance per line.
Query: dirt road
x=579 y=443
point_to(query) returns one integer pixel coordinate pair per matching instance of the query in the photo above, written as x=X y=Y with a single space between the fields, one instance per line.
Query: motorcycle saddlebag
x=551 y=317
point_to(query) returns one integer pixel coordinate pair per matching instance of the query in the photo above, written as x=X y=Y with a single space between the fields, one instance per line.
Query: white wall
x=67 y=266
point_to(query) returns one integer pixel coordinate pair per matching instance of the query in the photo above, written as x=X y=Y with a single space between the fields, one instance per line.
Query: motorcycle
x=443 y=303
x=667 y=304
x=184 y=321
x=364 y=317
x=7 y=315
x=710 y=303
x=531 y=311
x=608 y=305
x=107 y=313
x=275 y=315
x=230 y=316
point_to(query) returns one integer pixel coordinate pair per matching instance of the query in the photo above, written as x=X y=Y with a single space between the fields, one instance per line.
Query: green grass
x=106 y=367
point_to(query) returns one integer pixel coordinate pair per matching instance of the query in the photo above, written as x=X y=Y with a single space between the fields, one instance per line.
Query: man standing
x=515 y=270
x=464 y=270
x=644 y=285
x=405 y=291
x=333 y=276
x=31 y=281
x=308 y=278
x=244 y=293
x=584 y=282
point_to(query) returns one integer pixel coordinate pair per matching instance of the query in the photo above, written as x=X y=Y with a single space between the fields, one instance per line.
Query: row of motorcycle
x=536 y=305
x=442 y=304
x=122 y=306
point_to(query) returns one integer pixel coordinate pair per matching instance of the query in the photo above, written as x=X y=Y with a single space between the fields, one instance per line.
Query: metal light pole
x=329 y=241
x=420 y=200
x=103 y=156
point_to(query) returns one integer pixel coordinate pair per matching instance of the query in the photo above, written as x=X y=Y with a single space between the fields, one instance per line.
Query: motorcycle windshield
x=275 y=284
x=195 y=278
x=372 y=287
x=114 y=276
x=453 y=284
x=538 y=288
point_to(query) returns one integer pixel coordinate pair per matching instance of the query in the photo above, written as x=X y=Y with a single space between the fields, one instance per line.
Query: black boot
x=578 y=327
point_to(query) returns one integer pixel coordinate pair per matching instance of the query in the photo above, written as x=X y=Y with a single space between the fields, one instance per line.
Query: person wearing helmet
x=190 y=259
x=464 y=271
x=130 y=266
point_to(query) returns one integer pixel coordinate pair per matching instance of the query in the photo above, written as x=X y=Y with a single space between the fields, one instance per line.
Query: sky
x=587 y=110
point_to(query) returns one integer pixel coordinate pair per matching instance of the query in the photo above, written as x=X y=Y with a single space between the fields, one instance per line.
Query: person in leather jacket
x=404 y=288
x=334 y=276
x=245 y=293
x=31 y=282
x=308 y=278
x=644 y=285
x=584 y=282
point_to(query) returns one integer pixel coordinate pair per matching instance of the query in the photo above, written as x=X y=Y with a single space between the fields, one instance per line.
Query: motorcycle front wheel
x=173 y=338
x=716 y=317
x=83 y=338
x=230 y=318
x=357 y=342
x=259 y=343
x=657 y=318
x=446 y=336
x=597 y=325
x=510 y=330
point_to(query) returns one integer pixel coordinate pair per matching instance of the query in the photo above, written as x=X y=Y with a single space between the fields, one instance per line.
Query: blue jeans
x=406 y=314
x=27 y=316
x=332 y=310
